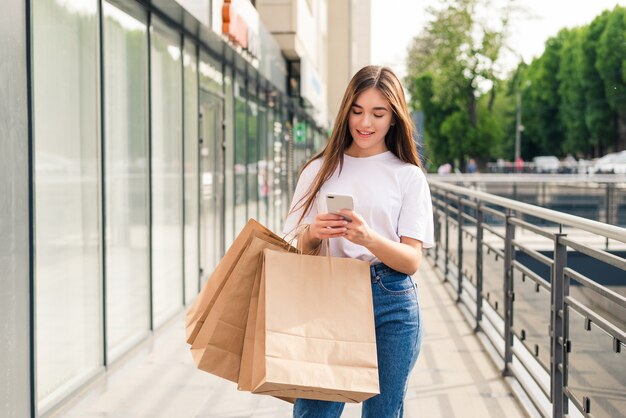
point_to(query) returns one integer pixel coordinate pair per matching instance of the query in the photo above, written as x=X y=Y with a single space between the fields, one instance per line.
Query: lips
x=364 y=134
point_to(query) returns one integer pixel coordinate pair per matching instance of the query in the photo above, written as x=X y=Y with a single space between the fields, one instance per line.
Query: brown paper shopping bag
x=315 y=335
x=245 y=370
x=218 y=344
x=244 y=382
x=198 y=311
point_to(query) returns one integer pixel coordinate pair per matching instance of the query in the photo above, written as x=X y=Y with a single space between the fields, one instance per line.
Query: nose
x=367 y=121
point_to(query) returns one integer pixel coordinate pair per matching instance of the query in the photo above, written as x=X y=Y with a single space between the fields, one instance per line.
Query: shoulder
x=406 y=171
x=411 y=176
x=311 y=170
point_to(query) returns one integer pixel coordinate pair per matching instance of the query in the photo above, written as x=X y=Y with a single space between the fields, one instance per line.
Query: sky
x=396 y=22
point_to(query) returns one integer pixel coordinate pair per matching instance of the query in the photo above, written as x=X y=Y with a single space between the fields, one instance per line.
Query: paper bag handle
x=304 y=228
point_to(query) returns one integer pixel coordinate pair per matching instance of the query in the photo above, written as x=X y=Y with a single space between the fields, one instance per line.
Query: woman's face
x=369 y=121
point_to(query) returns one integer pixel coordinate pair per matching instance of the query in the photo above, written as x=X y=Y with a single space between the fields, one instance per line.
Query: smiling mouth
x=364 y=133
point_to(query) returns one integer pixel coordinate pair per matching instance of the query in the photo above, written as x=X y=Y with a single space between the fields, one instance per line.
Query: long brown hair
x=399 y=139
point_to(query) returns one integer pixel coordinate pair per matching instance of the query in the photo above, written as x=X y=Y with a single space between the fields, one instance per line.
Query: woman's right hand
x=327 y=225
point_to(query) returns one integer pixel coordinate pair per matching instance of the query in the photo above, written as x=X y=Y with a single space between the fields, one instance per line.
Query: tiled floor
x=453 y=377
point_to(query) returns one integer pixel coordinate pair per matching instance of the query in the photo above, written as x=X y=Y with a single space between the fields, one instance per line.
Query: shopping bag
x=198 y=311
x=218 y=344
x=244 y=381
x=314 y=335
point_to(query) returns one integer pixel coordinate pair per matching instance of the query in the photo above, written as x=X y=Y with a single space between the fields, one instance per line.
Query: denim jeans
x=398 y=340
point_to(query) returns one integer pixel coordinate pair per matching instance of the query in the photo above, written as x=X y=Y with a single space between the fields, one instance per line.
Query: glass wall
x=167 y=245
x=67 y=232
x=280 y=194
x=229 y=167
x=263 y=164
x=211 y=163
x=190 y=62
x=252 y=157
x=240 y=156
x=125 y=46
x=168 y=196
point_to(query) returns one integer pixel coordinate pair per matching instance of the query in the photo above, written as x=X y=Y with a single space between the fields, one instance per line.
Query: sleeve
x=416 y=215
x=304 y=182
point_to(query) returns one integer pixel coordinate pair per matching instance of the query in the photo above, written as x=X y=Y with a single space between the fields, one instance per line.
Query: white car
x=613 y=163
x=547 y=164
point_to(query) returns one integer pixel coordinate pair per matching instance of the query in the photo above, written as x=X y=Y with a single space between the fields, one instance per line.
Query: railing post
x=508 y=294
x=446 y=255
x=479 y=266
x=558 y=342
x=437 y=225
x=607 y=211
x=460 y=250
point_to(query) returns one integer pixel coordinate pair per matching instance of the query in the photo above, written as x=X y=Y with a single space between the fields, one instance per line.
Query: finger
x=328 y=217
x=332 y=232
x=350 y=214
x=335 y=224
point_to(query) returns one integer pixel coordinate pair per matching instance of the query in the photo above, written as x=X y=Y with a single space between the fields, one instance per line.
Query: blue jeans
x=398 y=340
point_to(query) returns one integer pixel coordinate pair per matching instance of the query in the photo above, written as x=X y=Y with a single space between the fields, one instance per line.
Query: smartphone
x=336 y=202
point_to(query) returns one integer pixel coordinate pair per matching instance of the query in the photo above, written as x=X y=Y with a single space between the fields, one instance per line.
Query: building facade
x=137 y=138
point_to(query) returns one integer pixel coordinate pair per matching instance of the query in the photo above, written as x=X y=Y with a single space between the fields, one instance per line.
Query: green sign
x=299 y=134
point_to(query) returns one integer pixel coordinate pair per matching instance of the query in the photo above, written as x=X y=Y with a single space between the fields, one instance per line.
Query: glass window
x=211 y=105
x=263 y=164
x=167 y=265
x=211 y=173
x=126 y=169
x=229 y=169
x=271 y=137
x=286 y=161
x=211 y=77
x=252 y=156
x=190 y=62
x=240 y=190
x=280 y=195
x=67 y=261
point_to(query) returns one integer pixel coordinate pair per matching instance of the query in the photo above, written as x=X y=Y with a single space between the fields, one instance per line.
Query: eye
x=379 y=116
x=356 y=113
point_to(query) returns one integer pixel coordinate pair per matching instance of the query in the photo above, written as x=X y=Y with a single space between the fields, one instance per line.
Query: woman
x=372 y=157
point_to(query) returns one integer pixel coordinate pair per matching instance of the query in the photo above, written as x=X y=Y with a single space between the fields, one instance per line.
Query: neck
x=356 y=152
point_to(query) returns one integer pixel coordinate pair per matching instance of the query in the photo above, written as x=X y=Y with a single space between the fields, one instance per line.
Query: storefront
x=154 y=140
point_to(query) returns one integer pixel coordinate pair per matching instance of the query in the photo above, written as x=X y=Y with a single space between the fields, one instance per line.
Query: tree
x=572 y=93
x=457 y=53
x=598 y=115
x=436 y=144
x=611 y=51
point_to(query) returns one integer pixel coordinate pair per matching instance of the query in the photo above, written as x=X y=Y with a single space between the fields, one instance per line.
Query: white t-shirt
x=392 y=196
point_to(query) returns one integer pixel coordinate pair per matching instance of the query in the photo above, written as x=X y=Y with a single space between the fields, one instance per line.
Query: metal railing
x=561 y=336
x=596 y=197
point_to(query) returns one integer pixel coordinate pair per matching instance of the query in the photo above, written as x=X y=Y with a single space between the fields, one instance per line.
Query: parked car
x=613 y=163
x=547 y=164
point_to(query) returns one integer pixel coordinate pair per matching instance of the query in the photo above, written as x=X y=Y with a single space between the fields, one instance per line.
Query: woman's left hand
x=358 y=231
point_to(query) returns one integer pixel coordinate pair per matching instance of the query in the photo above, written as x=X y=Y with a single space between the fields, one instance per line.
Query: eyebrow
x=376 y=108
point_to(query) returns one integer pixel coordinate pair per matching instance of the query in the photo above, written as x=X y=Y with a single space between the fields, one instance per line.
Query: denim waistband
x=378 y=269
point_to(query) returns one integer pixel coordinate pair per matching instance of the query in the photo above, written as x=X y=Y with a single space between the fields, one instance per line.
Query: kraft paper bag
x=218 y=344
x=198 y=311
x=315 y=335
x=244 y=381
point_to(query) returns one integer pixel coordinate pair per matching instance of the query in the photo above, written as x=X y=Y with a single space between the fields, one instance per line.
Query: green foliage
x=540 y=102
x=451 y=65
x=598 y=116
x=571 y=93
x=610 y=64
x=573 y=96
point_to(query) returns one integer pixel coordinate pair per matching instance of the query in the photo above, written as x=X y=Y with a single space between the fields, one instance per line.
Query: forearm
x=400 y=257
